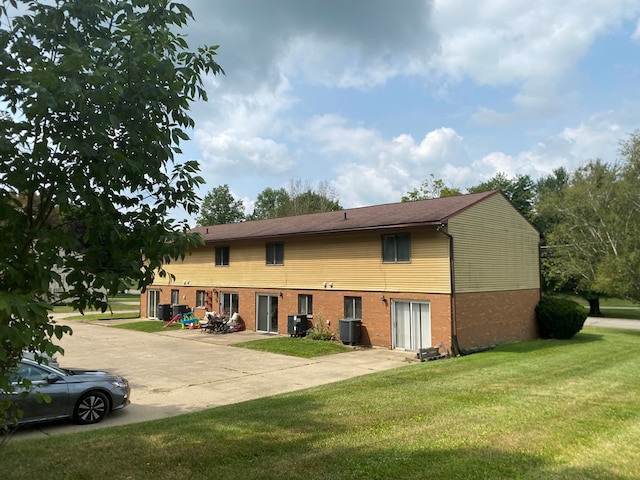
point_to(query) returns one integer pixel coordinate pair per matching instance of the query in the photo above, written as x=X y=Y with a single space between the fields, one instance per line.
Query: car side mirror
x=52 y=378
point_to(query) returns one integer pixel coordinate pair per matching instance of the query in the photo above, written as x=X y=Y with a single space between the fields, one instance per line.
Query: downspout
x=455 y=346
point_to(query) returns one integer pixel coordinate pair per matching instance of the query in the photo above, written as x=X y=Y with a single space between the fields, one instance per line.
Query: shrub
x=559 y=317
x=320 y=332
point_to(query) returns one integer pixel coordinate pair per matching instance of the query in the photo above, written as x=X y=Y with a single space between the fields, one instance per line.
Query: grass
x=148 y=326
x=625 y=313
x=612 y=307
x=104 y=316
x=120 y=302
x=547 y=409
x=297 y=347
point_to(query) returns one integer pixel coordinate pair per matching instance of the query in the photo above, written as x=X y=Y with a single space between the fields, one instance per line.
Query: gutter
x=455 y=346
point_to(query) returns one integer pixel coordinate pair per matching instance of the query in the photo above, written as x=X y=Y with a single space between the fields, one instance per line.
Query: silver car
x=86 y=396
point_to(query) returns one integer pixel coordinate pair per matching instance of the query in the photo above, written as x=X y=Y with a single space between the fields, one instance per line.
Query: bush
x=559 y=317
x=320 y=332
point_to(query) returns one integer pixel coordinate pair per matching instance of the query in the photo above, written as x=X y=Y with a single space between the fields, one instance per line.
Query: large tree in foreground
x=94 y=100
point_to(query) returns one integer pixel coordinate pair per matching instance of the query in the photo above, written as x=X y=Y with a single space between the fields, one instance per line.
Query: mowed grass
x=545 y=409
x=121 y=306
x=149 y=326
x=297 y=347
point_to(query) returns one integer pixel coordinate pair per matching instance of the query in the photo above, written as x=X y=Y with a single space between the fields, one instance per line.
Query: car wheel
x=91 y=408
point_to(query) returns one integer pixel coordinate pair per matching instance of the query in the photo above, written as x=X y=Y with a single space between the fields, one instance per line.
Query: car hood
x=76 y=375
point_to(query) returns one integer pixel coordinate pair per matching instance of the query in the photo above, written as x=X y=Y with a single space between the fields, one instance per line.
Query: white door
x=411 y=325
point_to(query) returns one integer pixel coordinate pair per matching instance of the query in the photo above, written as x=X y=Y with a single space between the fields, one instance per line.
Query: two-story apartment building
x=463 y=271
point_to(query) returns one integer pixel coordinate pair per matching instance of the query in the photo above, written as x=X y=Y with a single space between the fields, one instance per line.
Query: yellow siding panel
x=347 y=261
x=495 y=248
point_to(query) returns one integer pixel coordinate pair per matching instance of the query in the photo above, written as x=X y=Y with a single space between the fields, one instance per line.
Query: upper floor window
x=396 y=248
x=275 y=253
x=222 y=256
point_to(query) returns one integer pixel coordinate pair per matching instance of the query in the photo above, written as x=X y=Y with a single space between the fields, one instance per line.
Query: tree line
x=219 y=206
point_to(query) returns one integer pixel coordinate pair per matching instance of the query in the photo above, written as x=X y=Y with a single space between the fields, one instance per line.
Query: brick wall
x=491 y=318
x=328 y=308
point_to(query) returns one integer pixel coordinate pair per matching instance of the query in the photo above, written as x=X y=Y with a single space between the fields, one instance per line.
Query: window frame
x=175 y=296
x=274 y=253
x=201 y=298
x=305 y=304
x=396 y=238
x=353 y=305
x=231 y=303
x=221 y=256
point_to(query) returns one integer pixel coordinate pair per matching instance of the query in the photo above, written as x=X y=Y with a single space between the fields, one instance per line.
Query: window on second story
x=352 y=307
x=275 y=253
x=222 y=256
x=305 y=304
x=396 y=248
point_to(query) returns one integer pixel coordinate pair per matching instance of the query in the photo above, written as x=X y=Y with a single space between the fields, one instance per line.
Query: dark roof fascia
x=437 y=212
x=327 y=232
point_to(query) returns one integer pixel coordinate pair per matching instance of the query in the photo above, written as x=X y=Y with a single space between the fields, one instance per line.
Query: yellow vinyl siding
x=495 y=248
x=348 y=261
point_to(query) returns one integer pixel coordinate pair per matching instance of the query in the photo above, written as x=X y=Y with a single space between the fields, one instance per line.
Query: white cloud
x=261 y=119
x=520 y=43
x=371 y=166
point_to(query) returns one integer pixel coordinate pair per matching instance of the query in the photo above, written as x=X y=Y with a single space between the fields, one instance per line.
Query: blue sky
x=372 y=96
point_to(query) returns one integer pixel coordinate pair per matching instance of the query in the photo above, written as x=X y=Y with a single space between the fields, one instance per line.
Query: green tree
x=431 y=188
x=549 y=189
x=94 y=101
x=269 y=203
x=301 y=198
x=220 y=207
x=304 y=198
x=592 y=244
x=521 y=191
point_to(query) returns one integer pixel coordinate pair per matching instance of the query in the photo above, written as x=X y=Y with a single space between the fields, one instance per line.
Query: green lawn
x=297 y=347
x=104 y=316
x=545 y=409
x=120 y=302
x=149 y=326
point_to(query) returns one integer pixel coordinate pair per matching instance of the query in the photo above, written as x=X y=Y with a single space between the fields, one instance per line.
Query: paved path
x=613 y=323
x=182 y=371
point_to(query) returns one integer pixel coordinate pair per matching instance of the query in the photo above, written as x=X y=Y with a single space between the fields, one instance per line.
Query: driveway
x=183 y=371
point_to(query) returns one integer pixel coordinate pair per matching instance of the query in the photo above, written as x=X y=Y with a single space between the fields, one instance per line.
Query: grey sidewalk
x=613 y=323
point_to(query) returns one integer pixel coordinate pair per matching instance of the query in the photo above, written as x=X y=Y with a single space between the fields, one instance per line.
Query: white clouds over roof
x=374 y=96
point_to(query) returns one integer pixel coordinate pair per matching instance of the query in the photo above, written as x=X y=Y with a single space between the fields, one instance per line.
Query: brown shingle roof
x=421 y=212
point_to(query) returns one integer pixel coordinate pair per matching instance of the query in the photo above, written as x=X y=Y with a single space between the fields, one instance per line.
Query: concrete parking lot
x=177 y=372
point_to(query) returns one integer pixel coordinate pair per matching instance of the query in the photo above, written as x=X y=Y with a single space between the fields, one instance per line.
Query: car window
x=31 y=372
